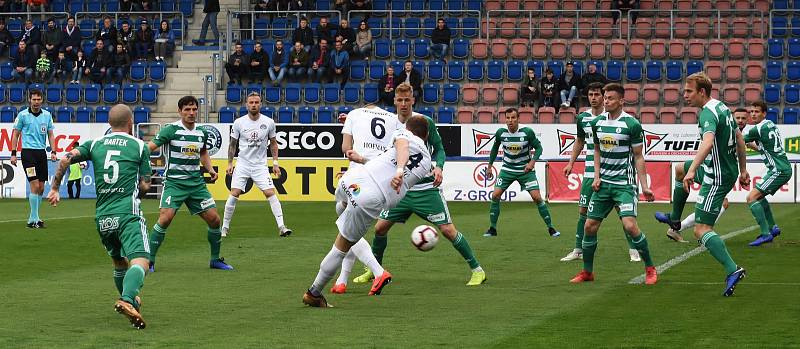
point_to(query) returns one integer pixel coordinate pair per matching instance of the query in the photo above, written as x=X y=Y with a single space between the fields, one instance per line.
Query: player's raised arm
x=401 y=147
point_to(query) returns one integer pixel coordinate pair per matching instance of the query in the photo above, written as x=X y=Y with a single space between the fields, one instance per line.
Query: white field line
x=59 y=218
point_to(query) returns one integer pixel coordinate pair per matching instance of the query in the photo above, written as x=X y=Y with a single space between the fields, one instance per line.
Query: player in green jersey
x=518 y=166
x=584 y=137
x=183 y=181
x=121 y=171
x=770 y=144
x=618 y=158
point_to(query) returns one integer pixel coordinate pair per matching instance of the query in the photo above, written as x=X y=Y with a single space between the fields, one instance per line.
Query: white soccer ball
x=424 y=237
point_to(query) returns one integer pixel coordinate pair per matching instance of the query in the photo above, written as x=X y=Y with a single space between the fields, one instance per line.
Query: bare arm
x=641 y=171
x=596 y=181
x=347 y=142
x=63 y=165
x=152 y=146
x=401 y=146
x=144 y=185
x=52 y=140
x=273 y=147
x=14 y=146
x=741 y=152
x=205 y=159
x=577 y=147
x=232 y=147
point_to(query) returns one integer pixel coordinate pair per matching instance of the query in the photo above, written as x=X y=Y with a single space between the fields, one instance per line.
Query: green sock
x=214 y=242
x=761 y=219
x=716 y=247
x=589 y=245
x=629 y=239
x=679 y=197
x=119 y=275
x=767 y=212
x=156 y=239
x=379 y=246
x=494 y=213
x=640 y=244
x=579 y=231
x=462 y=246
x=545 y=213
x=132 y=284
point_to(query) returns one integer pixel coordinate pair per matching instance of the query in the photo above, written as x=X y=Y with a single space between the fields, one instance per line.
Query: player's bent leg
x=379 y=243
x=120 y=268
x=159 y=232
x=340 y=286
x=461 y=245
x=327 y=268
x=211 y=217
x=494 y=211
x=754 y=202
x=716 y=247
x=639 y=241
x=230 y=207
x=132 y=284
x=679 y=197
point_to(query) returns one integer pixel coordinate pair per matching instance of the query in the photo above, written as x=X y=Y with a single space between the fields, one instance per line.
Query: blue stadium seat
x=166 y=6
x=248 y=46
x=450 y=93
x=260 y=27
x=233 y=94
x=6 y=71
x=795 y=27
x=149 y=93
x=474 y=5
x=3 y=94
x=633 y=70
x=775 y=48
x=376 y=70
x=88 y=47
x=383 y=49
x=779 y=26
x=325 y=114
x=469 y=27
x=515 y=71
x=253 y=87
x=557 y=67
x=614 y=71
x=790 y=115
x=455 y=70
x=110 y=93
x=475 y=70
x=93 y=6
x=65 y=114
x=311 y=93
x=279 y=27
x=158 y=71
x=352 y=93
x=286 y=114
x=141 y=114
x=371 y=94
x=598 y=64
x=16 y=93
x=436 y=70
x=427 y=26
x=417 y=7
x=268 y=111
x=375 y=25
x=8 y=113
x=87 y=27
x=436 y=5
x=292 y=93
x=331 y=92
x=793 y=71
x=419 y=65
x=412 y=27
x=780 y=4
x=227 y=114
x=91 y=93
x=58 y=6
x=774 y=70
x=53 y=92
x=101 y=114
x=772 y=114
x=772 y=93
x=399 y=6
x=396 y=25
x=72 y=93
x=83 y=114
x=272 y=94
x=454 y=7
x=445 y=115
x=345 y=109
x=454 y=24
x=674 y=70
x=402 y=48
x=130 y=93
x=793 y=49
x=538 y=68
x=421 y=48
x=791 y=93
x=138 y=71
x=430 y=93
x=305 y=114
x=693 y=67
x=397 y=65
x=460 y=49
x=495 y=70
x=358 y=70
x=186 y=7
x=427 y=111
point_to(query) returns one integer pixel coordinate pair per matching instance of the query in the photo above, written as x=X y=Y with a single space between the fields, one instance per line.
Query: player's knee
x=120 y=263
x=725 y=203
x=449 y=231
x=582 y=211
x=496 y=195
x=236 y=192
x=536 y=196
x=679 y=173
x=382 y=227
x=591 y=226
x=269 y=193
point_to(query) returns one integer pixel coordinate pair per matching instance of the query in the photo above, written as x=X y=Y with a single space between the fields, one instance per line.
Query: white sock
x=277 y=211
x=327 y=269
x=687 y=222
x=230 y=206
x=364 y=253
x=340 y=206
x=347 y=267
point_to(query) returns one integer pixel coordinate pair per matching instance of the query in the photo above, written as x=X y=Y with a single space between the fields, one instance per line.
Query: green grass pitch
x=56 y=289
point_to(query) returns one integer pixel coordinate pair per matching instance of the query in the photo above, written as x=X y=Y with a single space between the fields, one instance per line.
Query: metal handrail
x=788 y=25
x=577 y=14
x=30 y=14
x=150 y=15
x=714 y=15
x=422 y=27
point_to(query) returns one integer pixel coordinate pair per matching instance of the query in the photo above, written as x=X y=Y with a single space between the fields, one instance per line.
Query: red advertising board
x=567 y=188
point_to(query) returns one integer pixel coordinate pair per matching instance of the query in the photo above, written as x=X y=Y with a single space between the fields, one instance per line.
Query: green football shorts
x=124 y=235
x=610 y=195
x=527 y=181
x=428 y=204
x=196 y=198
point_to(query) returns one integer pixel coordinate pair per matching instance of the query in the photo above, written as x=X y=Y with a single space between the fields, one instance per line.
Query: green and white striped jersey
x=182 y=153
x=770 y=143
x=616 y=139
x=517 y=148
x=584 y=121
x=437 y=154
x=721 y=165
x=119 y=160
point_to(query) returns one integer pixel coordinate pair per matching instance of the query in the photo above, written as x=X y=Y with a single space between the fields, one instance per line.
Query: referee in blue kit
x=35 y=125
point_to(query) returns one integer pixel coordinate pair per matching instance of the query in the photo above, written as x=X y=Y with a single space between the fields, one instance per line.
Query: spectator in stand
x=278 y=5
x=5 y=37
x=238 y=65
x=211 y=9
x=624 y=6
x=19 y=6
x=5 y=6
x=440 y=40
x=24 y=62
x=107 y=33
x=121 y=62
x=98 y=63
x=569 y=84
x=341 y=5
x=299 y=5
x=529 y=90
x=278 y=63
x=547 y=87
x=363 y=47
x=340 y=64
x=62 y=68
x=259 y=63
x=32 y=37
x=324 y=31
x=144 y=40
x=360 y=5
x=386 y=84
x=52 y=39
x=304 y=35
x=78 y=67
x=42 y=68
x=126 y=6
x=164 y=41
x=592 y=75
x=72 y=39
x=412 y=77
x=320 y=60
x=348 y=36
x=38 y=6
x=146 y=5
x=298 y=62
x=126 y=37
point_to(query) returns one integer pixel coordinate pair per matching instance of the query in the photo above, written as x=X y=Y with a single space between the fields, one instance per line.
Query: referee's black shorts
x=34 y=162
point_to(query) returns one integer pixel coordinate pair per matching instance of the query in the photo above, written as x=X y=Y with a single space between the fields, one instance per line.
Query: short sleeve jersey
x=182 y=153
x=616 y=139
x=34 y=128
x=254 y=139
x=372 y=130
x=584 y=121
x=770 y=143
x=721 y=165
x=517 y=147
x=382 y=168
x=119 y=160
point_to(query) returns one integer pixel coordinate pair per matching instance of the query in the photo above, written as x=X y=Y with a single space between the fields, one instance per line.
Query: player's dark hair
x=35 y=92
x=512 y=110
x=740 y=110
x=760 y=105
x=418 y=125
x=614 y=87
x=595 y=86
x=187 y=100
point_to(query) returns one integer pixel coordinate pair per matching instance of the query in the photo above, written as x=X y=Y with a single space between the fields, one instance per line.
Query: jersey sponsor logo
x=513 y=149
x=214 y=140
x=354 y=189
x=608 y=142
x=436 y=217
x=108 y=224
x=484 y=176
x=480 y=140
x=190 y=150
x=263 y=127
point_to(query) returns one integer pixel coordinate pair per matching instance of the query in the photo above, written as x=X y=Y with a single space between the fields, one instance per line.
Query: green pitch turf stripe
x=61 y=218
x=696 y=251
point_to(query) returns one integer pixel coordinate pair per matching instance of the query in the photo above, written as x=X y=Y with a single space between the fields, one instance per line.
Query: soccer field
x=57 y=291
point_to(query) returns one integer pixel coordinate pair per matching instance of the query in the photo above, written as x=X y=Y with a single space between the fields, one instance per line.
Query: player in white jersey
x=252 y=135
x=369 y=189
